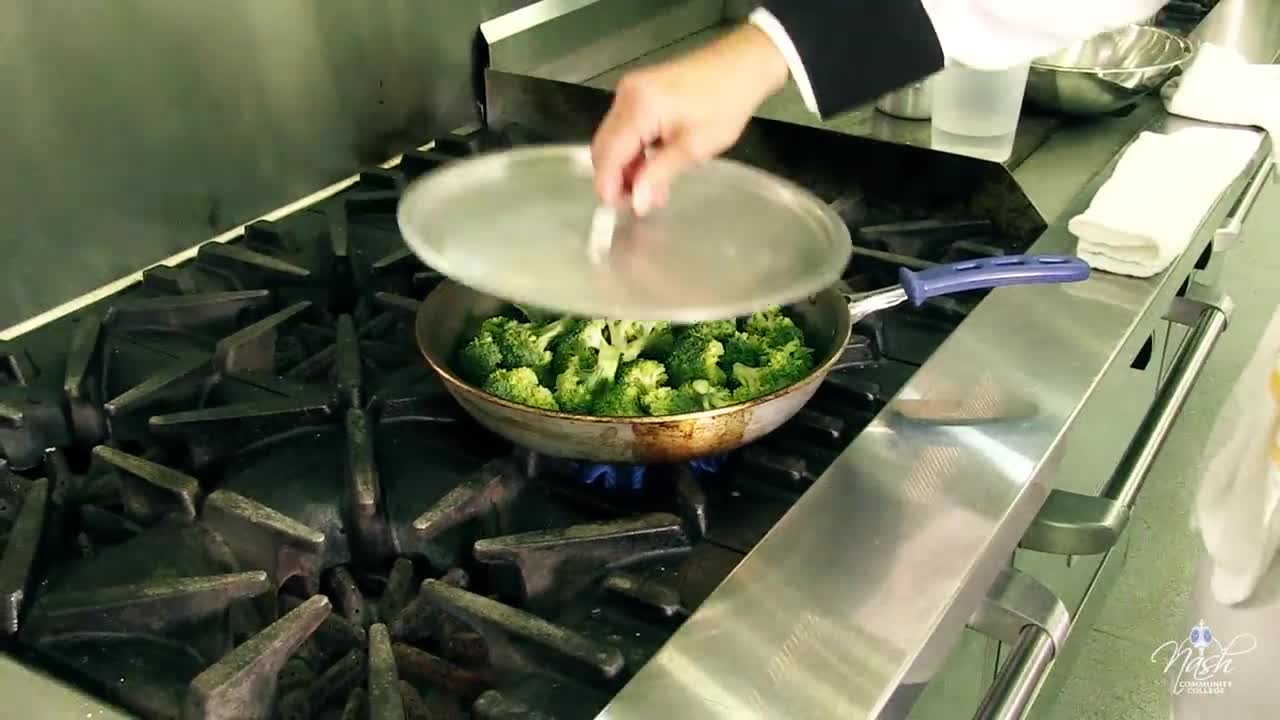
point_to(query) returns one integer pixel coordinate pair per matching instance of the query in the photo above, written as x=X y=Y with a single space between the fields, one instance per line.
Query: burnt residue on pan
x=679 y=440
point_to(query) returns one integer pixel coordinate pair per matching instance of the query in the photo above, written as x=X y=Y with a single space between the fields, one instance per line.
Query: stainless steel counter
x=32 y=694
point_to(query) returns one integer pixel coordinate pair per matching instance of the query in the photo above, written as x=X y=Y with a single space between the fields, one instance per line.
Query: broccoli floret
x=670 y=401
x=743 y=348
x=520 y=385
x=780 y=367
x=633 y=338
x=710 y=396
x=753 y=382
x=619 y=401
x=525 y=344
x=777 y=329
x=794 y=358
x=586 y=363
x=484 y=353
x=648 y=375
x=479 y=358
x=715 y=329
x=695 y=358
x=589 y=350
x=692 y=397
x=572 y=393
x=496 y=325
x=660 y=342
x=565 y=349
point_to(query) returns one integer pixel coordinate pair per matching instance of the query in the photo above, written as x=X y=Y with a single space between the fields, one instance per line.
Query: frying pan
x=452 y=312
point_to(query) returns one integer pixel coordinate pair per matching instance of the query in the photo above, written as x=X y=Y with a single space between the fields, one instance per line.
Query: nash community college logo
x=1201 y=664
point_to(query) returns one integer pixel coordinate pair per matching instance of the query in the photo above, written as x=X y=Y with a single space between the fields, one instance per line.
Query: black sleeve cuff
x=856 y=50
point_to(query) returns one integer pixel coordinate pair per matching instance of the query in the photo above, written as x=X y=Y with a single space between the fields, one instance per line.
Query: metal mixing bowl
x=1107 y=71
x=913 y=101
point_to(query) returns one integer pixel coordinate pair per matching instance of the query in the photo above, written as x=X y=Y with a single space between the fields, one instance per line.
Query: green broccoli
x=669 y=401
x=589 y=350
x=520 y=385
x=794 y=357
x=496 y=324
x=620 y=400
x=632 y=338
x=621 y=368
x=660 y=341
x=753 y=382
x=565 y=349
x=484 y=354
x=777 y=329
x=696 y=396
x=715 y=329
x=586 y=362
x=780 y=367
x=695 y=358
x=648 y=375
x=479 y=358
x=709 y=396
x=525 y=344
x=572 y=392
x=743 y=348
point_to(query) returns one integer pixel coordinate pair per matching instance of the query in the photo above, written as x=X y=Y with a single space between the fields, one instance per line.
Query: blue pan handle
x=991 y=273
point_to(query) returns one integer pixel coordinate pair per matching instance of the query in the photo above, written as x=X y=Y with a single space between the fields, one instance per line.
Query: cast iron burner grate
x=235 y=491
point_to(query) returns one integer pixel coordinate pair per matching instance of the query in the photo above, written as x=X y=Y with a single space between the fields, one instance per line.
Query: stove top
x=234 y=489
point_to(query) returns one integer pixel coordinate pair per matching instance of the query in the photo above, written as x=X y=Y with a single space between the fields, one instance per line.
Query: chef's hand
x=668 y=117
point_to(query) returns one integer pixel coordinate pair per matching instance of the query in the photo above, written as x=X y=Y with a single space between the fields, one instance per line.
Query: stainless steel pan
x=452 y=312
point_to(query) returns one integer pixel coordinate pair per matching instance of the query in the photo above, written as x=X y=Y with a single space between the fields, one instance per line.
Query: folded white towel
x=1144 y=216
x=1220 y=86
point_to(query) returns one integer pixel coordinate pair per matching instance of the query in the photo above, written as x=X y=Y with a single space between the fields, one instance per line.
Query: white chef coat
x=989 y=34
x=1237 y=588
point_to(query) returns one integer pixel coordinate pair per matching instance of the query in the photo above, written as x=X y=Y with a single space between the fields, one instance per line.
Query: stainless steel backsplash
x=133 y=129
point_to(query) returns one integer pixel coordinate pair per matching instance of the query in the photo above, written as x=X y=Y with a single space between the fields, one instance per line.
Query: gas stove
x=234 y=489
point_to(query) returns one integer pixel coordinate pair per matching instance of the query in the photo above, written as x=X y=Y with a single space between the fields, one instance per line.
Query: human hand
x=668 y=117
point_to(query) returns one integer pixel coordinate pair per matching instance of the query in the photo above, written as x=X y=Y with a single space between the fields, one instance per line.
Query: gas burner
x=31 y=417
x=23 y=507
x=614 y=476
x=370 y=656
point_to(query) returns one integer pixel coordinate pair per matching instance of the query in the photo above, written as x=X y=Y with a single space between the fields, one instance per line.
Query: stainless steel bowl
x=1107 y=71
x=910 y=102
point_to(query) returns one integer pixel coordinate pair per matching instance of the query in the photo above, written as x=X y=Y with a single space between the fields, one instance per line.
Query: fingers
x=653 y=180
x=620 y=140
x=632 y=168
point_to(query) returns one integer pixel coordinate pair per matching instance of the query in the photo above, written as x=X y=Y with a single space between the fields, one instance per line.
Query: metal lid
x=516 y=224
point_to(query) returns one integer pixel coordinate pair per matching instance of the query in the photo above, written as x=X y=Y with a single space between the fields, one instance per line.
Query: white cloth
x=1144 y=216
x=987 y=34
x=1220 y=86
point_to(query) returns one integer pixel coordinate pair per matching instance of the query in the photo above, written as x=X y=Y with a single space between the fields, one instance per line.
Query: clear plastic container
x=975 y=112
